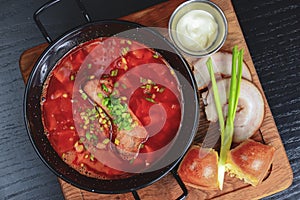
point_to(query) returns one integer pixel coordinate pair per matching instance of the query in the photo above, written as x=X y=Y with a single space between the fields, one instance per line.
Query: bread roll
x=199 y=168
x=250 y=161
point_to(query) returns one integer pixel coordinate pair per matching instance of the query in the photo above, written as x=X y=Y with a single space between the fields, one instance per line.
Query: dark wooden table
x=272 y=32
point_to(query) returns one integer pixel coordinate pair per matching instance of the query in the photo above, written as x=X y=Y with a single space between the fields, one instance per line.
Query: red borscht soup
x=111 y=107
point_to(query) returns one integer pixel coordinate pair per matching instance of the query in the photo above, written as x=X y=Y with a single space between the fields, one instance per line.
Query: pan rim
x=162 y=172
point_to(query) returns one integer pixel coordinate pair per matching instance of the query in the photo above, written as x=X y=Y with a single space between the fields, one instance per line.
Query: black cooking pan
x=56 y=50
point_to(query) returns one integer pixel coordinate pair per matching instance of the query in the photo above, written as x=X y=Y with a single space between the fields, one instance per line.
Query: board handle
x=180 y=183
x=49 y=4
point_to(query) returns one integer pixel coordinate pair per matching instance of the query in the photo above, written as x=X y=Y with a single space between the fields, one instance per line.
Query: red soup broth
x=142 y=81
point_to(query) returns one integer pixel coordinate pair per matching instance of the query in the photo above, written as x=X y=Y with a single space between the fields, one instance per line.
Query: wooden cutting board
x=280 y=176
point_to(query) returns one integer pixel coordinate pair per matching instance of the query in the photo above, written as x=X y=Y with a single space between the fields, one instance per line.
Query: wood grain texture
x=271 y=29
x=21 y=171
x=281 y=175
x=274 y=47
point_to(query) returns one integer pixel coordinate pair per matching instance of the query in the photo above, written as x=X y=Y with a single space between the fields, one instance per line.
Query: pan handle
x=180 y=183
x=49 y=4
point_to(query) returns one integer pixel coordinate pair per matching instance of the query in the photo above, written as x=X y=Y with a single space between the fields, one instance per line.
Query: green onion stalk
x=227 y=129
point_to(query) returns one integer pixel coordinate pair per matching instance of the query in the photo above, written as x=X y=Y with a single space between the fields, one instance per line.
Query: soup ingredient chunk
x=130 y=133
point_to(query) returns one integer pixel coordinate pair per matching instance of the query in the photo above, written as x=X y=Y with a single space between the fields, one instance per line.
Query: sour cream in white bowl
x=198 y=28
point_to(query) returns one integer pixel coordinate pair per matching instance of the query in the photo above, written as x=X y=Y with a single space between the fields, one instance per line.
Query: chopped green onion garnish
x=131 y=161
x=84 y=96
x=161 y=90
x=95 y=137
x=92 y=157
x=72 y=77
x=155 y=55
x=92 y=118
x=105 y=101
x=81 y=140
x=128 y=127
x=100 y=95
x=88 y=135
x=150 y=100
x=106 y=141
x=119 y=112
x=143 y=80
x=89 y=66
x=148 y=87
x=124 y=86
x=114 y=72
x=149 y=81
x=124 y=51
x=116 y=84
x=104 y=88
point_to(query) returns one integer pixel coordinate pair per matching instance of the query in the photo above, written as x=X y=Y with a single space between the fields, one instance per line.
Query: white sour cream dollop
x=197 y=30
